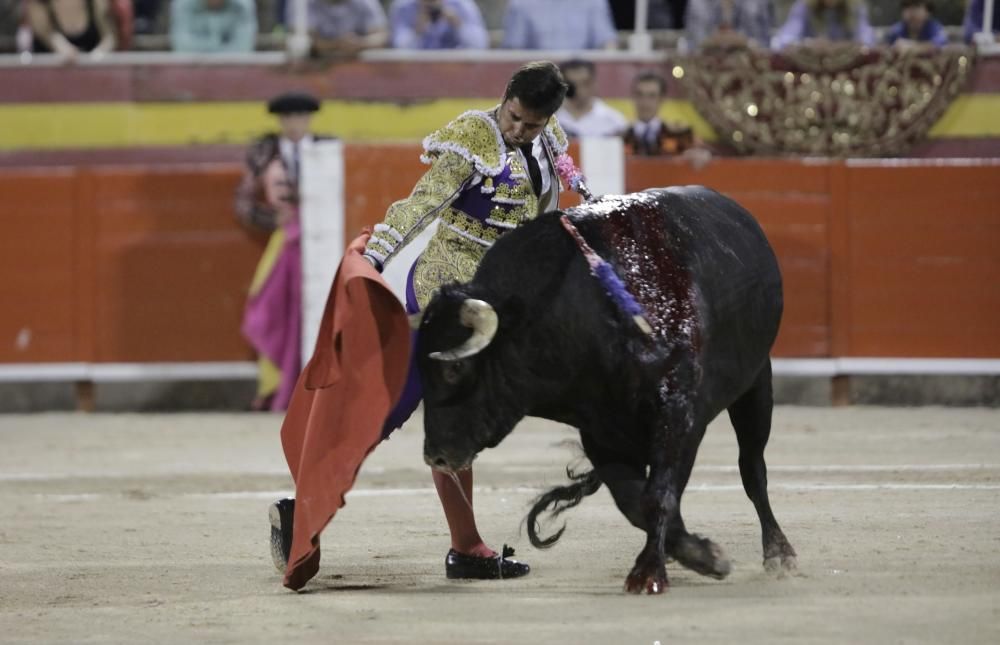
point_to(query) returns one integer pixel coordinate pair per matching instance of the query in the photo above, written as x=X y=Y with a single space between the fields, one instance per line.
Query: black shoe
x=282 y=515
x=458 y=565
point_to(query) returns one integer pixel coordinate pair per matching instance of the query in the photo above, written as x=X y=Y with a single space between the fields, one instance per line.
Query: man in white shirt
x=650 y=136
x=583 y=114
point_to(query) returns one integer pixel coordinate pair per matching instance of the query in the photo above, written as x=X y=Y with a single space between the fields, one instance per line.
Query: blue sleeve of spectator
x=894 y=33
x=473 y=34
x=515 y=27
x=602 y=28
x=973 y=20
x=938 y=35
x=794 y=29
x=401 y=24
x=865 y=34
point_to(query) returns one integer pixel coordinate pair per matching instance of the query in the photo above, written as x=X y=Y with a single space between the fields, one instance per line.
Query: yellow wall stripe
x=103 y=125
x=970 y=115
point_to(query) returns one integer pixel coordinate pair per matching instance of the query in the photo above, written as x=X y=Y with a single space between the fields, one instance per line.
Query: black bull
x=535 y=333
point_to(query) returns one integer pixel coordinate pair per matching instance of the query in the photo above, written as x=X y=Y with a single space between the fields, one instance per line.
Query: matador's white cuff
x=376 y=261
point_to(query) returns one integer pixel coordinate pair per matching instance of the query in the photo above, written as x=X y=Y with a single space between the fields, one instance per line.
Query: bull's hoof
x=648 y=575
x=781 y=565
x=779 y=558
x=703 y=556
x=637 y=583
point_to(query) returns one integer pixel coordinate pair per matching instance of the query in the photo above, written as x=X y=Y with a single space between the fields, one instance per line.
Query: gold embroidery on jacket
x=434 y=192
x=448 y=258
x=469 y=144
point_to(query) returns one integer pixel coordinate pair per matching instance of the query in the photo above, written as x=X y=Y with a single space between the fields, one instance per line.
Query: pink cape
x=272 y=321
x=341 y=401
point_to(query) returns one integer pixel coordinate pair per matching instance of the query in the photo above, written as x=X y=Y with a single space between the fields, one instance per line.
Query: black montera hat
x=293 y=103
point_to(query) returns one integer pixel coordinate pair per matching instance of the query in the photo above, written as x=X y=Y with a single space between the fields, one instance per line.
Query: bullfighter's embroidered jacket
x=478 y=187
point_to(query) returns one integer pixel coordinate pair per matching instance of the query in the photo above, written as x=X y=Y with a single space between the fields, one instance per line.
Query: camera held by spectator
x=437 y=24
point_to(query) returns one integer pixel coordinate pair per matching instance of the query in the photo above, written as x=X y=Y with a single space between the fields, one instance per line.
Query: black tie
x=651 y=143
x=533 y=170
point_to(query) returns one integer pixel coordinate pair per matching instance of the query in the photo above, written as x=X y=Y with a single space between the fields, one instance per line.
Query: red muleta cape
x=341 y=401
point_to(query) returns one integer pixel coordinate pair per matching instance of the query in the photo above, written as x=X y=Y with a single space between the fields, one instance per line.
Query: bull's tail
x=560 y=498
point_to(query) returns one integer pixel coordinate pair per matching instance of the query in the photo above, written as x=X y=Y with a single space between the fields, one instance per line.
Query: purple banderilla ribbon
x=606 y=275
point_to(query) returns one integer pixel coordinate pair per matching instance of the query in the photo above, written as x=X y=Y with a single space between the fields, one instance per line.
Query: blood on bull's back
x=704 y=272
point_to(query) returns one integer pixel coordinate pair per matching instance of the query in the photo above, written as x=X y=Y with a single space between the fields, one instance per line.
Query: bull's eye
x=452 y=372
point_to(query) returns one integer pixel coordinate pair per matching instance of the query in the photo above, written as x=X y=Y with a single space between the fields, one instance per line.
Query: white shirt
x=538 y=152
x=601 y=121
x=647 y=130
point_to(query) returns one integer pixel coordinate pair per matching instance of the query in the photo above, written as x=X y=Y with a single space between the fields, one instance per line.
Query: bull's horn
x=480 y=317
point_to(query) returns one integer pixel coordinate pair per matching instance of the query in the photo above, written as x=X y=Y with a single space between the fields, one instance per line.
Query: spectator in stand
x=727 y=22
x=70 y=28
x=344 y=27
x=213 y=26
x=267 y=200
x=649 y=135
x=917 y=25
x=437 y=24
x=559 y=24
x=583 y=114
x=817 y=22
x=974 y=16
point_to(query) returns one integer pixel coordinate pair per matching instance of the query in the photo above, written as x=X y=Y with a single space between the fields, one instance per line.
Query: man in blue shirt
x=343 y=27
x=213 y=26
x=559 y=24
x=917 y=26
x=727 y=21
x=437 y=24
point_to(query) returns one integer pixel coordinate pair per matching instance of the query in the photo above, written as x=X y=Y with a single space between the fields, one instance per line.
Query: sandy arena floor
x=129 y=528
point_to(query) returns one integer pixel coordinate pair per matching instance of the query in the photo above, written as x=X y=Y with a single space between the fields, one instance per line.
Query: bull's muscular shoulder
x=555 y=136
x=475 y=136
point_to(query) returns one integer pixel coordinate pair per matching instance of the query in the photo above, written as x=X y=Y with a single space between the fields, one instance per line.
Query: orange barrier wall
x=918 y=261
x=40 y=282
x=123 y=264
x=120 y=264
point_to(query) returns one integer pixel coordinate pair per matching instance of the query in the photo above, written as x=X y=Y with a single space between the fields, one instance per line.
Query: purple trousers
x=413 y=391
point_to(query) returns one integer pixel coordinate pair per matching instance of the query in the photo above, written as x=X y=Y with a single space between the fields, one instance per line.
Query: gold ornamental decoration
x=835 y=100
